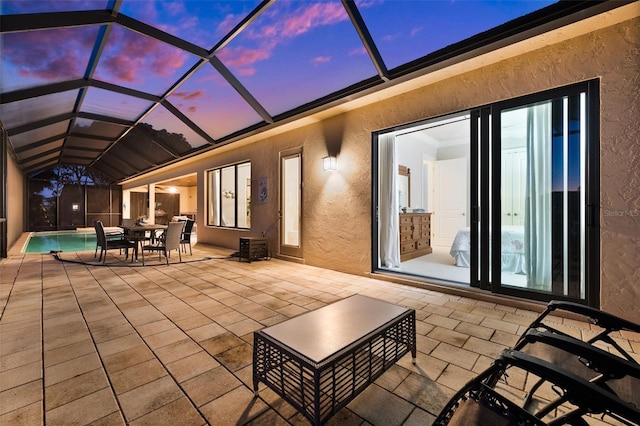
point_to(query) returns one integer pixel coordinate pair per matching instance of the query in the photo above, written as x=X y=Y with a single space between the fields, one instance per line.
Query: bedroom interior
x=433 y=180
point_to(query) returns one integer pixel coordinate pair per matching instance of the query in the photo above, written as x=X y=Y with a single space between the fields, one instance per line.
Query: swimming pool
x=45 y=242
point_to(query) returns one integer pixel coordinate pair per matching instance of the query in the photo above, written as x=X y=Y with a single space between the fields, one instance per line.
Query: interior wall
x=188 y=197
x=411 y=155
x=16 y=196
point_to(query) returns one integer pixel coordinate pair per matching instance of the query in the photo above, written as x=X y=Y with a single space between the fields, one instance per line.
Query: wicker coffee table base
x=319 y=390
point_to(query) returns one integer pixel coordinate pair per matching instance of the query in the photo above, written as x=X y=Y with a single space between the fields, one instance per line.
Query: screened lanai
x=123 y=87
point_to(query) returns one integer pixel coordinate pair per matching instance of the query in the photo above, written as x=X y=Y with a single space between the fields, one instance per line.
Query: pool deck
x=173 y=344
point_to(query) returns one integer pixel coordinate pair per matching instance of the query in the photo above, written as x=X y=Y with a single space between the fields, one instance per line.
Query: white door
x=450 y=197
x=514 y=169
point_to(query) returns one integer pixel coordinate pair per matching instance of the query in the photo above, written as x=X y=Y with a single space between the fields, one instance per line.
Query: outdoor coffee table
x=321 y=360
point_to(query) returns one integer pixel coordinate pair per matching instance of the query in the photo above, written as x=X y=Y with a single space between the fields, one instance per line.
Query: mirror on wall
x=404 y=187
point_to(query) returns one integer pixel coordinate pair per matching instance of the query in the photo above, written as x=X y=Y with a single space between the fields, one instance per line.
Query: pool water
x=45 y=242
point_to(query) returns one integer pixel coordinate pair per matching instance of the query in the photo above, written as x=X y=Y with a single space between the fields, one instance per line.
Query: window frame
x=216 y=196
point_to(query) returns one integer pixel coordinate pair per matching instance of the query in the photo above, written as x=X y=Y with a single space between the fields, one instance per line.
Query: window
x=229 y=196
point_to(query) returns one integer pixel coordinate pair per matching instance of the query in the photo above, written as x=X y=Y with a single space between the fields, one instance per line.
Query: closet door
x=514 y=169
x=450 y=200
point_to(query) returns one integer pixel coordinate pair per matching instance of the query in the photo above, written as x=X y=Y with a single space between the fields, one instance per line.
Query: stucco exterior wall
x=337 y=205
x=617 y=58
x=16 y=194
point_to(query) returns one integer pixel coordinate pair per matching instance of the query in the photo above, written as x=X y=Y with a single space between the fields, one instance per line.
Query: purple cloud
x=50 y=54
x=133 y=57
x=284 y=24
x=321 y=60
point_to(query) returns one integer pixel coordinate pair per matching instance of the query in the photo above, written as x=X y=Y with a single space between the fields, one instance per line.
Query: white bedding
x=513 y=257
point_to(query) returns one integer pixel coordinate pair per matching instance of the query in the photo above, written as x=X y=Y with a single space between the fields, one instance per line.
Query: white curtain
x=389 y=209
x=538 y=200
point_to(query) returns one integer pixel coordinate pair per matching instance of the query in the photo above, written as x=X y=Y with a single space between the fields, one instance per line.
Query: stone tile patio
x=172 y=344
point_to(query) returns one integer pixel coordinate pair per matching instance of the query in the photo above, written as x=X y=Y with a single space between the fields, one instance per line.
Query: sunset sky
x=293 y=53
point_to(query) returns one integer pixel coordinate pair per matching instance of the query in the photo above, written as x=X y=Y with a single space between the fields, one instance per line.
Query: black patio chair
x=185 y=238
x=479 y=403
x=110 y=235
x=609 y=371
x=605 y=326
x=112 y=243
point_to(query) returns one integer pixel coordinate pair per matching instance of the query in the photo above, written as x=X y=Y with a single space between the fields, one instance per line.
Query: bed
x=513 y=256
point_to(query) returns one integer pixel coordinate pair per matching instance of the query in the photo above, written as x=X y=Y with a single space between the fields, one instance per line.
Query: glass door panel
x=542 y=180
x=291 y=204
x=244 y=195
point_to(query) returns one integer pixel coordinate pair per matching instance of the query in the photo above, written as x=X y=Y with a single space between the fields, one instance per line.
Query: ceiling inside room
x=128 y=86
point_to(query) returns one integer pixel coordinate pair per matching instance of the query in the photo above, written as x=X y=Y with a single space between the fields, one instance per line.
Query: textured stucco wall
x=16 y=194
x=617 y=56
x=337 y=205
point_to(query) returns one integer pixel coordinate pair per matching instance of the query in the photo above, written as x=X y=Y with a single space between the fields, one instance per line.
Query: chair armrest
x=600 y=361
x=598 y=317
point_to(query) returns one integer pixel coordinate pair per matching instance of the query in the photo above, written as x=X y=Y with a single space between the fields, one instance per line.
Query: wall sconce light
x=75 y=207
x=330 y=162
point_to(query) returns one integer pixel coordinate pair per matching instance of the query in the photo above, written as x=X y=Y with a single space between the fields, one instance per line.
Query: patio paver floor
x=172 y=344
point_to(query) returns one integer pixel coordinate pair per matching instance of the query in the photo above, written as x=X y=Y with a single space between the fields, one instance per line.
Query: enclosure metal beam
x=41 y=123
x=47 y=89
x=367 y=40
x=239 y=87
x=40 y=143
x=42 y=21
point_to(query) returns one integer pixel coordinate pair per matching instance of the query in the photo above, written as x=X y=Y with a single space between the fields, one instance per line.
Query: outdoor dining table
x=138 y=233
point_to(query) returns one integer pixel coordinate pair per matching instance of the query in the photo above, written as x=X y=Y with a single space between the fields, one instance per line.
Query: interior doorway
x=436 y=154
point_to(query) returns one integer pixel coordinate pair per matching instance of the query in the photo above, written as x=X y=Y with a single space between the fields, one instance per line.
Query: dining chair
x=105 y=243
x=109 y=235
x=185 y=238
x=170 y=241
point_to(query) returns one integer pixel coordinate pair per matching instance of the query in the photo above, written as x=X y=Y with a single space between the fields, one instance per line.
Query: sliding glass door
x=510 y=192
x=544 y=173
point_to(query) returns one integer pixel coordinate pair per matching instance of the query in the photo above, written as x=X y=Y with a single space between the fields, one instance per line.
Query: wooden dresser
x=415 y=235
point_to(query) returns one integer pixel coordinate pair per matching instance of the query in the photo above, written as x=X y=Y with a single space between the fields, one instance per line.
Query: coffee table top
x=320 y=334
